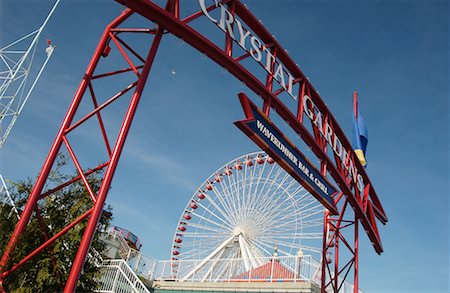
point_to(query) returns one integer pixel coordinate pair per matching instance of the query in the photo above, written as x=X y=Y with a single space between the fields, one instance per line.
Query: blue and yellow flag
x=360 y=135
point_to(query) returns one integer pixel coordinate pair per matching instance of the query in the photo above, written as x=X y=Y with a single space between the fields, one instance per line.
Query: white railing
x=285 y=268
x=141 y=264
x=117 y=276
x=123 y=275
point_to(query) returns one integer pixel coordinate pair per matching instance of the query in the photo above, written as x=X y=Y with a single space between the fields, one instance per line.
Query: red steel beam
x=106 y=182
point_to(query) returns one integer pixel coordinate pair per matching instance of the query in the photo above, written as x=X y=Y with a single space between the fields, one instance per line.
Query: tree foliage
x=49 y=270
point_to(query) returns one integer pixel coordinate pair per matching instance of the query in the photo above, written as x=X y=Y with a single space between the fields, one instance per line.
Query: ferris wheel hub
x=238 y=231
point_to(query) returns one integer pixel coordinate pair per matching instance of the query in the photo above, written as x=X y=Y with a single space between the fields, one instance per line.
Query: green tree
x=48 y=271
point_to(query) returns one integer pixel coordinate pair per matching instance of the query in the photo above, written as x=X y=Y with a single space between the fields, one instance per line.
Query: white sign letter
x=243 y=34
x=306 y=107
x=205 y=12
x=226 y=19
x=256 y=44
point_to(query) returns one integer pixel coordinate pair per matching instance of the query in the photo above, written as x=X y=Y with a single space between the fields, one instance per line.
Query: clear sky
x=394 y=53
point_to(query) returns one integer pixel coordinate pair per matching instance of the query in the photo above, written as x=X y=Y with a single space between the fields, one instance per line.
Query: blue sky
x=394 y=53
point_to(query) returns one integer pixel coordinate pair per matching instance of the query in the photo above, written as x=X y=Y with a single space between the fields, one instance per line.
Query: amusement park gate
x=245 y=40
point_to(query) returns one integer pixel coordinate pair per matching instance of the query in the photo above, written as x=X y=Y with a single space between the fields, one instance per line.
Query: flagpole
x=356 y=251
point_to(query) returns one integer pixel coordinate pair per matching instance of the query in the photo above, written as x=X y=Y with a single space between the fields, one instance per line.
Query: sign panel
x=266 y=135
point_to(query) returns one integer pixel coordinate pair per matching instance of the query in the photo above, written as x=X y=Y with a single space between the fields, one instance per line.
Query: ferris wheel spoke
x=233 y=201
x=200 y=254
x=253 y=181
x=311 y=248
x=228 y=213
x=315 y=235
x=239 y=184
x=257 y=244
x=193 y=253
x=295 y=201
x=217 y=251
x=208 y=243
x=280 y=250
x=265 y=221
x=282 y=244
x=197 y=235
x=228 y=201
x=305 y=224
x=216 y=206
x=311 y=206
x=209 y=210
x=273 y=218
x=296 y=217
x=213 y=222
x=302 y=213
x=249 y=189
x=257 y=252
x=319 y=210
x=230 y=187
x=270 y=193
x=312 y=223
x=204 y=227
x=238 y=193
x=257 y=195
x=222 y=272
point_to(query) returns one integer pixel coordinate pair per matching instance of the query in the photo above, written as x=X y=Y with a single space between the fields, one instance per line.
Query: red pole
x=324 y=250
x=337 y=233
x=355 y=281
x=101 y=197
x=355 y=104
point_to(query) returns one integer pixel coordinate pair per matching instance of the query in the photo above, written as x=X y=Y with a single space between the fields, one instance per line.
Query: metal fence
x=118 y=277
x=125 y=275
x=270 y=269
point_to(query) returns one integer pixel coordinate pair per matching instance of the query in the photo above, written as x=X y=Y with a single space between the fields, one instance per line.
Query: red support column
x=336 y=257
x=101 y=197
x=324 y=251
x=56 y=146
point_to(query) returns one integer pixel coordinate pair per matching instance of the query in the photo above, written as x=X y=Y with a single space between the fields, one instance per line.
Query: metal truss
x=15 y=67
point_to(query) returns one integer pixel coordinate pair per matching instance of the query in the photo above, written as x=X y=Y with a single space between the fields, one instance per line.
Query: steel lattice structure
x=17 y=60
x=232 y=55
x=16 y=64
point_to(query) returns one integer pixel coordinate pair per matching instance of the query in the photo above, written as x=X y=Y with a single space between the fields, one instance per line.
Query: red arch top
x=232 y=15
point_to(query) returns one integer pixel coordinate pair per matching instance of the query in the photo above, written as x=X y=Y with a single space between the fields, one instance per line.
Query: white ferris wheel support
x=246 y=212
x=15 y=68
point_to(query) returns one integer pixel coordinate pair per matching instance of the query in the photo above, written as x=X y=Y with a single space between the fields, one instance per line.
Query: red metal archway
x=283 y=77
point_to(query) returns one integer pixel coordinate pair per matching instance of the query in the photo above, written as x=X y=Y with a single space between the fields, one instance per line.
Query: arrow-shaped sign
x=267 y=136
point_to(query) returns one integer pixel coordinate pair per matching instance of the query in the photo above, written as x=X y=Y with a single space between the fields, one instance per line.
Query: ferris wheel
x=247 y=210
